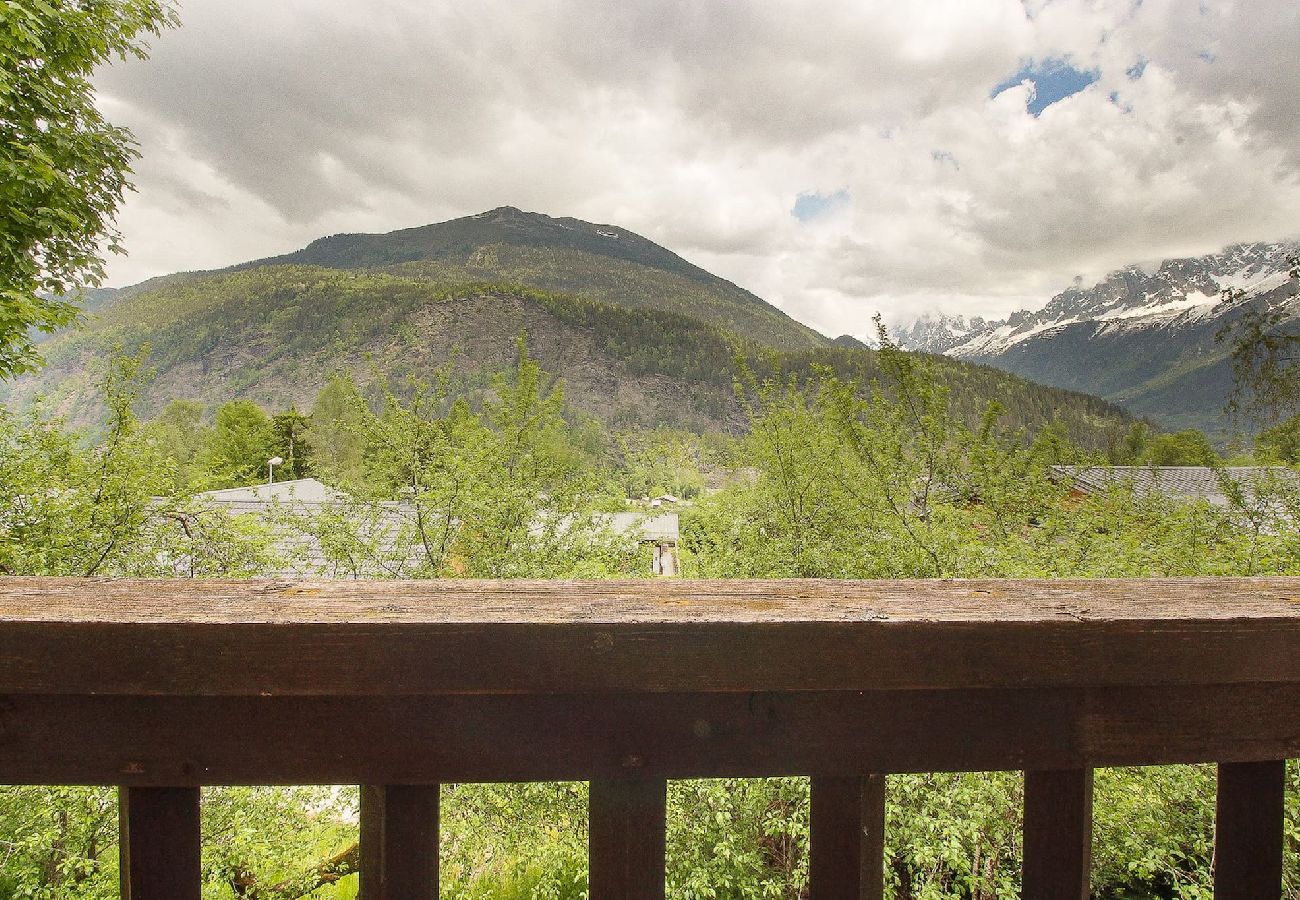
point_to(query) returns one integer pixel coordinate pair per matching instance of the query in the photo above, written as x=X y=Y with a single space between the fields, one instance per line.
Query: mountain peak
x=935 y=332
x=607 y=263
x=1143 y=337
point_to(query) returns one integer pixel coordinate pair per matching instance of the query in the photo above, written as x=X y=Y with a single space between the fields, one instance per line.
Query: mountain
x=1144 y=339
x=850 y=342
x=937 y=333
x=605 y=263
x=631 y=350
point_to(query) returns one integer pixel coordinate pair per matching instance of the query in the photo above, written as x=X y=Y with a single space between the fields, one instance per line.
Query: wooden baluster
x=847 y=852
x=399 y=842
x=1248 y=831
x=1058 y=834
x=159 y=843
x=626 y=840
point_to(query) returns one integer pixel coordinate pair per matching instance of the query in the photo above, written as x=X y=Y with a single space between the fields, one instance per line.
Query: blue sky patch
x=1134 y=72
x=811 y=205
x=1054 y=79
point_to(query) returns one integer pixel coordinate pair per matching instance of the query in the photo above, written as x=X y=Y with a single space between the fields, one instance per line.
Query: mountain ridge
x=475 y=242
x=1145 y=339
x=636 y=345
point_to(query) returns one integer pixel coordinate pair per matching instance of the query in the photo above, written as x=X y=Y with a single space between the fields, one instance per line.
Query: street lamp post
x=270 y=468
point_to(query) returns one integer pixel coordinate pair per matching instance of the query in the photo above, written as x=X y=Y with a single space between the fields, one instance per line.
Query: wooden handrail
x=162 y=686
x=248 y=638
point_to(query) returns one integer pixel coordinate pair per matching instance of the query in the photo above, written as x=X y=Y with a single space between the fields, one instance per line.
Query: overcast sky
x=837 y=158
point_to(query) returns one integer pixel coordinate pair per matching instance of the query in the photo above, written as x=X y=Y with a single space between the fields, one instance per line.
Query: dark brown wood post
x=626 y=840
x=847 y=852
x=1058 y=834
x=399 y=842
x=371 y=851
x=159 y=843
x=1248 y=831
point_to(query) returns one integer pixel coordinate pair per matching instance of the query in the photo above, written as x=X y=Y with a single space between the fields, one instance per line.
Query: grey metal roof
x=1178 y=482
x=307 y=490
x=382 y=522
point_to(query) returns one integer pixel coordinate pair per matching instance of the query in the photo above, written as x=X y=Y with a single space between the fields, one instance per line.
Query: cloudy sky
x=837 y=158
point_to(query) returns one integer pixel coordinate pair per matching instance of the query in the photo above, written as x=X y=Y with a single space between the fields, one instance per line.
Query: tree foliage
x=1264 y=347
x=63 y=167
x=305 y=322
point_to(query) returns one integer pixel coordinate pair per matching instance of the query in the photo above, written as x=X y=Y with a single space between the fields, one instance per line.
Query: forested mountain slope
x=594 y=262
x=1145 y=339
x=276 y=334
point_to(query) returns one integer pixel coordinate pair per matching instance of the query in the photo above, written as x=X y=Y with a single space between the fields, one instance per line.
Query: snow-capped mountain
x=938 y=333
x=1145 y=339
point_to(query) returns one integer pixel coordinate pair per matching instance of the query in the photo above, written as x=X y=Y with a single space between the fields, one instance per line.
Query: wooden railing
x=160 y=687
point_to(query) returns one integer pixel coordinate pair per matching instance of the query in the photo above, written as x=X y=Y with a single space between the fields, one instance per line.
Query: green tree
x=501 y=492
x=291 y=442
x=179 y=433
x=335 y=431
x=241 y=443
x=1183 y=448
x=1132 y=449
x=1281 y=442
x=63 y=167
x=71 y=508
x=661 y=462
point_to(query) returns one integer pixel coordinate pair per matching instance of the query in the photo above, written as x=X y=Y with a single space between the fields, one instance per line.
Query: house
x=384 y=522
x=1176 y=482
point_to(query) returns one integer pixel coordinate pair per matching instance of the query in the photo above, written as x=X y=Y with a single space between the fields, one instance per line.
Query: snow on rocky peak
x=937 y=332
x=1178 y=292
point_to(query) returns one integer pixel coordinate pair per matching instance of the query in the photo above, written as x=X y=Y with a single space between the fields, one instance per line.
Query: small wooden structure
x=162 y=686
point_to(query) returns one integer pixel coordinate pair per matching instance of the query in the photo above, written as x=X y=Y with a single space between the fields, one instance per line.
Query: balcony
x=160 y=687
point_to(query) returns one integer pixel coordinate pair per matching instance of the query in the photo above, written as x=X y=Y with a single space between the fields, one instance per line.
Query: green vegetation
x=593 y=262
x=1262 y=343
x=63 y=167
x=1281 y=443
x=1185 y=448
x=835 y=474
x=276 y=335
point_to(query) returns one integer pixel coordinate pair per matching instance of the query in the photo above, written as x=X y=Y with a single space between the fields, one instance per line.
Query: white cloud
x=699 y=122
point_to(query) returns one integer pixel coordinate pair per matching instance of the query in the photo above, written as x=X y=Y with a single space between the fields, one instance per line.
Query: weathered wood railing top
x=162 y=686
x=353 y=638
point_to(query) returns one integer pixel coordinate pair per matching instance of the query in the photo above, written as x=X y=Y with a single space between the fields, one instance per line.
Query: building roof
x=1177 y=482
x=381 y=521
x=662 y=527
x=305 y=490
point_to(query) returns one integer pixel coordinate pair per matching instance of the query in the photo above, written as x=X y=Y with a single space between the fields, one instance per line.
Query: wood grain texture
x=370 y=850
x=160 y=845
x=847 y=846
x=1248 y=831
x=627 y=839
x=422 y=740
x=1058 y=834
x=399 y=842
x=187 y=637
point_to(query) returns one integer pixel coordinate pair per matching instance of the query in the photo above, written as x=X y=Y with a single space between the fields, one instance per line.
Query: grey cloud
x=698 y=123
